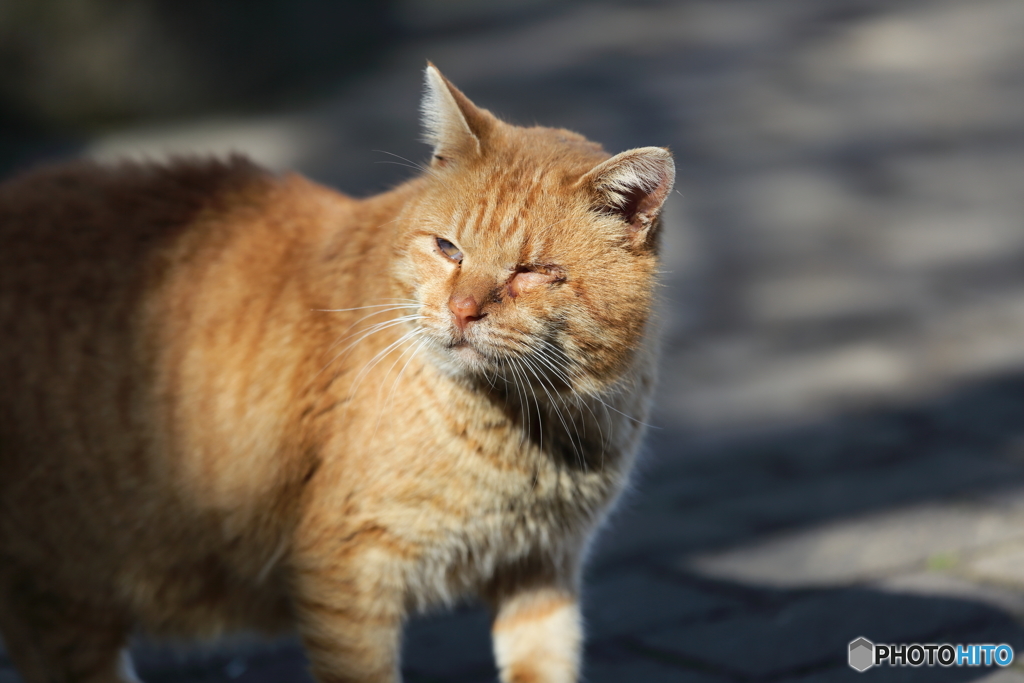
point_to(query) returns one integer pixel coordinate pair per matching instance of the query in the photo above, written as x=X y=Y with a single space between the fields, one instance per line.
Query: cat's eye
x=527 y=280
x=449 y=249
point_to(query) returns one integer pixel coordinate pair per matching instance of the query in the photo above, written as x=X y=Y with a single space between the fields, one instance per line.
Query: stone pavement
x=840 y=450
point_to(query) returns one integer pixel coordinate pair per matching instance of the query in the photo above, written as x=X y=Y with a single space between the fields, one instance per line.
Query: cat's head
x=532 y=254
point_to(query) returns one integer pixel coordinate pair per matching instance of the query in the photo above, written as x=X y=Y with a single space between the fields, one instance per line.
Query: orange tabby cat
x=237 y=400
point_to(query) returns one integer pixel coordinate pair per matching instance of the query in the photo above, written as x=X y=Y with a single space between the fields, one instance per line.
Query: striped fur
x=236 y=400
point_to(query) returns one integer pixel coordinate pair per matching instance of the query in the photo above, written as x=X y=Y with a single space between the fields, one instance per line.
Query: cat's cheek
x=433 y=287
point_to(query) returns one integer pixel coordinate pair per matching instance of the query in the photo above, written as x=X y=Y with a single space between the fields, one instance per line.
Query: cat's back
x=83 y=245
x=135 y=299
x=69 y=226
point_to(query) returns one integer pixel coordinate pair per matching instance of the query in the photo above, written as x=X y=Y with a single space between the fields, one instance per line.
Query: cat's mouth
x=470 y=350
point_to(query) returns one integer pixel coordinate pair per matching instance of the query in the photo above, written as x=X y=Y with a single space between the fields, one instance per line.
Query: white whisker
x=410 y=304
x=416 y=346
x=365 y=334
x=558 y=413
x=380 y=355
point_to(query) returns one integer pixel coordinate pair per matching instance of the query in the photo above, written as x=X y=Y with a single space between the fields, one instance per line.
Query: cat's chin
x=461 y=360
x=467 y=353
x=468 y=360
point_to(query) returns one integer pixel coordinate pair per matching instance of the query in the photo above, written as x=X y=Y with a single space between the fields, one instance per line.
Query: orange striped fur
x=238 y=400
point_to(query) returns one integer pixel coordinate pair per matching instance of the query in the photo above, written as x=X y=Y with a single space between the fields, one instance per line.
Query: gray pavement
x=840 y=450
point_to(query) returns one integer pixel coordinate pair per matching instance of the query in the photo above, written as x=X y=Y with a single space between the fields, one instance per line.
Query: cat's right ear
x=451 y=122
x=633 y=186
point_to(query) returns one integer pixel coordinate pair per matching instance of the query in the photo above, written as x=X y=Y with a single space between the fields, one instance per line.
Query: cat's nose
x=465 y=309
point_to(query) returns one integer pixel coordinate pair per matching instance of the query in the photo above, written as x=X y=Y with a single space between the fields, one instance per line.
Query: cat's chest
x=487 y=513
x=467 y=483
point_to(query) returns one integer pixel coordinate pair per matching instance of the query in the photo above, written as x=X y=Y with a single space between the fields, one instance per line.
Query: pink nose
x=465 y=310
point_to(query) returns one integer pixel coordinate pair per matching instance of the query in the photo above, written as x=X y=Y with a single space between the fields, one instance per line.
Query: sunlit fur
x=236 y=400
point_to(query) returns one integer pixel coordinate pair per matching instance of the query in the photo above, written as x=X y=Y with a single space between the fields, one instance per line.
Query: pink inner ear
x=529 y=280
x=640 y=205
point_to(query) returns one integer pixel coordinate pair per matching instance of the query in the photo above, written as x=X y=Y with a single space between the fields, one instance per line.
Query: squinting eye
x=527 y=280
x=449 y=250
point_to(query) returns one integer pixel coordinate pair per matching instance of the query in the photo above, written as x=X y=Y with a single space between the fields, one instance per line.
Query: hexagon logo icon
x=862 y=654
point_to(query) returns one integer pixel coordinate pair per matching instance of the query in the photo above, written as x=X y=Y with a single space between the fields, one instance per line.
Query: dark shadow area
x=729 y=492
x=25 y=143
x=82 y=65
x=70 y=69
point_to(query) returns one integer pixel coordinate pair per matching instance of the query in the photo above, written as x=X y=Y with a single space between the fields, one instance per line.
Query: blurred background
x=839 y=448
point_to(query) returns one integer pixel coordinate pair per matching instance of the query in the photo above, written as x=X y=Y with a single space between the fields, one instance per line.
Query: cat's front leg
x=537 y=635
x=350 y=624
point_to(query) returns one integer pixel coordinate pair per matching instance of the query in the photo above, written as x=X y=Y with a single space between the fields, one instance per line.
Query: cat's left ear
x=455 y=126
x=633 y=186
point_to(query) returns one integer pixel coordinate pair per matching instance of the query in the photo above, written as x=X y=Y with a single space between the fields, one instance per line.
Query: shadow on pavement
x=650 y=608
